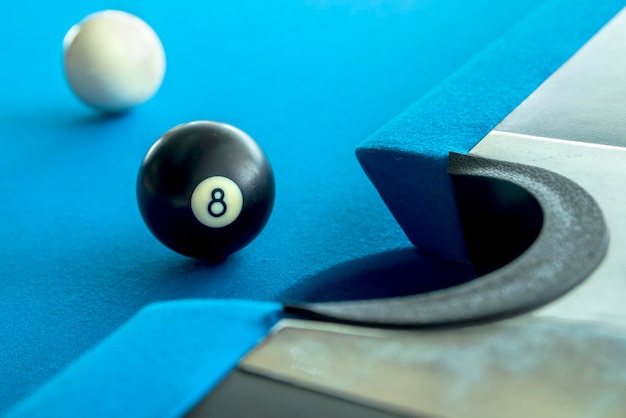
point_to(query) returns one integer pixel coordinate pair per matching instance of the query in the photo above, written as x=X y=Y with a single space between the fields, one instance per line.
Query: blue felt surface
x=309 y=80
x=169 y=354
x=407 y=158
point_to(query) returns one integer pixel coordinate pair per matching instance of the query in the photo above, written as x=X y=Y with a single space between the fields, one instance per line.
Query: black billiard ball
x=205 y=189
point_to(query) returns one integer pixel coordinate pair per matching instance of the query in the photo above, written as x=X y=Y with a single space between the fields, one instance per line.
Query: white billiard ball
x=113 y=60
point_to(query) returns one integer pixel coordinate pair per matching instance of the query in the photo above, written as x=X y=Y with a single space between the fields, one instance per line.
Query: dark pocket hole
x=500 y=220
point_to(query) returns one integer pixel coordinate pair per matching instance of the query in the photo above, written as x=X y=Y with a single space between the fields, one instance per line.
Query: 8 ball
x=205 y=189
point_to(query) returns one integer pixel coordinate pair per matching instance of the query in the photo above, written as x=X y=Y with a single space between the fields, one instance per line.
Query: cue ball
x=205 y=189
x=113 y=60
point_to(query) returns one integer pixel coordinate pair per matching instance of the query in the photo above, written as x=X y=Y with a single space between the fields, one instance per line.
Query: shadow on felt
x=400 y=272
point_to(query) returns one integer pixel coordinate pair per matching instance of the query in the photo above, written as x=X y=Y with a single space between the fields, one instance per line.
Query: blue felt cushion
x=159 y=364
x=407 y=158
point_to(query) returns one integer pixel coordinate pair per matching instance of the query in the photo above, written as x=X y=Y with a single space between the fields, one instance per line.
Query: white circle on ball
x=113 y=60
x=216 y=202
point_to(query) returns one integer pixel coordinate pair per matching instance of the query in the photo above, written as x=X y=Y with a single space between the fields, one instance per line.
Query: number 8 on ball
x=216 y=202
x=205 y=189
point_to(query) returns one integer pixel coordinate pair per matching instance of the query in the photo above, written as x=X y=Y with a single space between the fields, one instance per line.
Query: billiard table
x=97 y=317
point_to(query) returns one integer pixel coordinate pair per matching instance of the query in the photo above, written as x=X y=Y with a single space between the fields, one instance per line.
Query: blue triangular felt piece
x=406 y=159
x=159 y=364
